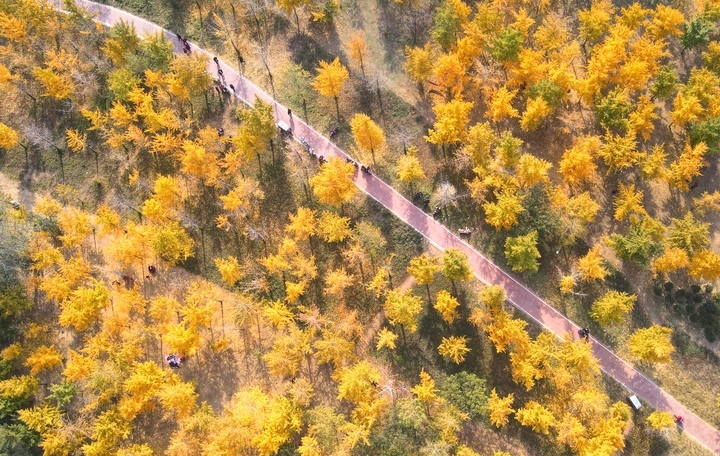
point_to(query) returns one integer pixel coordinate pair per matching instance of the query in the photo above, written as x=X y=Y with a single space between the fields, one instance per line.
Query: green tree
x=689 y=234
x=155 y=53
x=467 y=392
x=641 y=242
x=548 y=91
x=447 y=27
x=696 y=33
x=612 y=110
x=665 y=82
x=506 y=46
x=708 y=132
x=521 y=252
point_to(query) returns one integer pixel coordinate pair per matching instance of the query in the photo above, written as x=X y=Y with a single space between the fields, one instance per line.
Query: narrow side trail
x=439 y=236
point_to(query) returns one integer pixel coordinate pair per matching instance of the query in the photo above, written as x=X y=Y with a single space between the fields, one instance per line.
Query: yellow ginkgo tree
x=330 y=80
x=368 y=136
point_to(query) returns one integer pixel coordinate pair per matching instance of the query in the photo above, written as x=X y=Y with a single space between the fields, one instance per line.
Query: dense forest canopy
x=575 y=144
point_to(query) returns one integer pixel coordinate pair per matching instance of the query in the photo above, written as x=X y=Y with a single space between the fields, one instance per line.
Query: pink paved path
x=522 y=298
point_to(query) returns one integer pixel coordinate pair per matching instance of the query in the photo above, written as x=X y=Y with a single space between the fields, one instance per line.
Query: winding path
x=521 y=297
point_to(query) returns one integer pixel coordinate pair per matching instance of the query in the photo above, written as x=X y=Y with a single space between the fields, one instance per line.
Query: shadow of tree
x=305 y=51
x=215 y=376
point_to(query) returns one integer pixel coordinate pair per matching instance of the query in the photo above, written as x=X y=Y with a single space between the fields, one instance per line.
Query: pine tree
x=536 y=111
x=303 y=224
x=671 y=260
x=595 y=22
x=43 y=358
x=628 y=203
x=689 y=234
x=333 y=227
x=356 y=383
x=425 y=391
x=687 y=167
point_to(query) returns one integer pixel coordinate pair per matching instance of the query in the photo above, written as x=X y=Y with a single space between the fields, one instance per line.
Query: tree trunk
x=337 y=108
x=62 y=164
x=202 y=28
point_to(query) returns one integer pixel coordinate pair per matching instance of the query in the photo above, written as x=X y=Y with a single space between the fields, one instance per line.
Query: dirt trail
x=9 y=186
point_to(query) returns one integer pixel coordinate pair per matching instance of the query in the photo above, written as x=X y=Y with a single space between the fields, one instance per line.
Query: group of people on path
x=187 y=50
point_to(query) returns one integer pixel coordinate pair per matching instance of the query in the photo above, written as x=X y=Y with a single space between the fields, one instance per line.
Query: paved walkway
x=522 y=298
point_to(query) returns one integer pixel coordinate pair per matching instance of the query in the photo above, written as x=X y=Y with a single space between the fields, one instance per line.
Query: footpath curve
x=438 y=235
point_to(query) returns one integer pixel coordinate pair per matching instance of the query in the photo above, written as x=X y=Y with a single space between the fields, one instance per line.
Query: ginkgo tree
x=334 y=184
x=367 y=134
x=330 y=80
